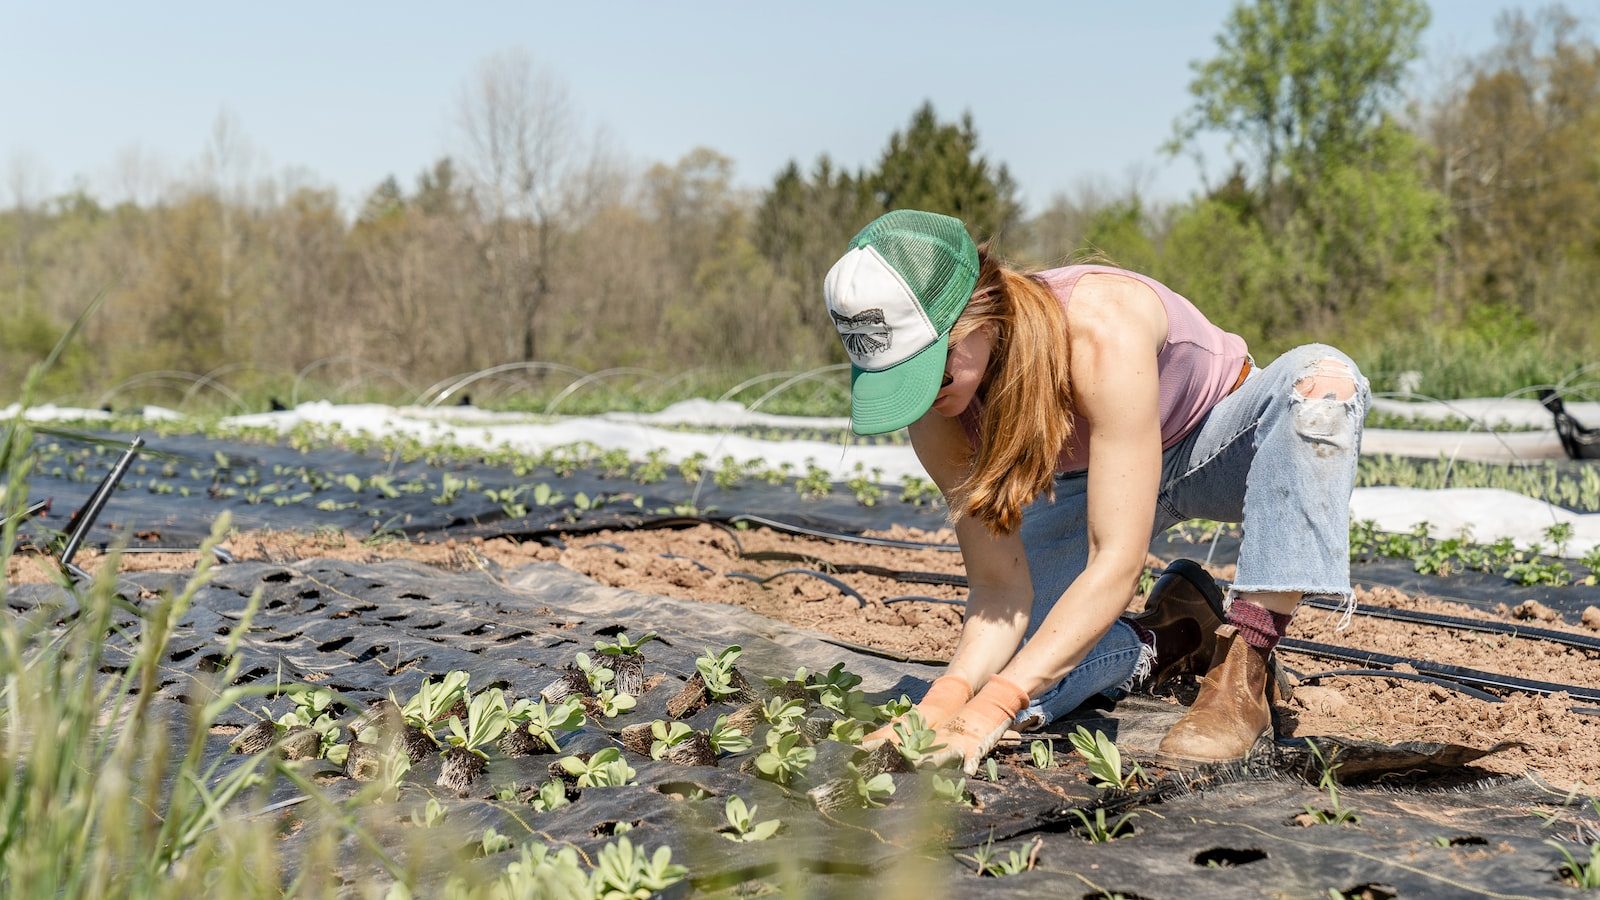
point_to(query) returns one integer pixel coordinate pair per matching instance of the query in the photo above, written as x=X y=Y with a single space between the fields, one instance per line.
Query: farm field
x=361 y=569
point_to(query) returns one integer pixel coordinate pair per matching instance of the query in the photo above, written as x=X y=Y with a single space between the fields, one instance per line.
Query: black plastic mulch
x=150 y=511
x=367 y=630
x=153 y=509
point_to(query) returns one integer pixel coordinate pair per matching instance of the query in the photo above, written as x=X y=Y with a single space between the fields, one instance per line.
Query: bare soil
x=704 y=563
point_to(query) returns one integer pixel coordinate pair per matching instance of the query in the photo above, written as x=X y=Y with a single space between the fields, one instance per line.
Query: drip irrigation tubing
x=910 y=577
x=790 y=528
x=921 y=598
x=1579 y=641
x=1445 y=683
x=847 y=590
x=1462 y=674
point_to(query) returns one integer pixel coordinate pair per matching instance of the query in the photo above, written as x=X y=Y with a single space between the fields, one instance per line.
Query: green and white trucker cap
x=894 y=296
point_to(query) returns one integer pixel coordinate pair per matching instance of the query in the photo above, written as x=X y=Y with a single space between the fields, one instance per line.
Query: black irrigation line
x=859 y=568
x=1445 y=683
x=790 y=528
x=847 y=590
x=1580 y=641
x=1473 y=677
x=921 y=598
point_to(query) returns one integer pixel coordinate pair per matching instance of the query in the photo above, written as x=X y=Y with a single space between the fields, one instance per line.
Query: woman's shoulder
x=1111 y=303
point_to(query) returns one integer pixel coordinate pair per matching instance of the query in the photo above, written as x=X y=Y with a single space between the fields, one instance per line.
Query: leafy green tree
x=1519 y=162
x=1329 y=219
x=1299 y=86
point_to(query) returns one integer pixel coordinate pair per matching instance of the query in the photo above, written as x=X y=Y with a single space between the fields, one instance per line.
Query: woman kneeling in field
x=1069 y=416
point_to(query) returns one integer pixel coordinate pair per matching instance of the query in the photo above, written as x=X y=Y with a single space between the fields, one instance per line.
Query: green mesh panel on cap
x=933 y=253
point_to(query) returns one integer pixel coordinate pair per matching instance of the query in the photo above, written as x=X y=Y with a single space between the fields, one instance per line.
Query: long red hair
x=1027 y=408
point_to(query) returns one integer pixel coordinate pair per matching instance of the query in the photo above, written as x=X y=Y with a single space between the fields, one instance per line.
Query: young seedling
x=917 y=742
x=1043 y=753
x=464 y=758
x=778 y=711
x=992 y=770
x=950 y=790
x=893 y=709
x=1104 y=760
x=612 y=704
x=494 y=842
x=432 y=701
x=870 y=792
x=727 y=738
x=1335 y=814
x=622 y=871
x=918 y=490
x=308 y=731
x=552 y=795
x=605 y=768
x=815 y=484
x=789 y=688
x=1097 y=830
x=430 y=815
x=785 y=758
x=508 y=500
x=449 y=488
x=847 y=731
x=667 y=736
x=597 y=674
x=987 y=861
x=742 y=825
x=537 y=873
x=541 y=722
x=717 y=672
x=623 y=645
x=422 y=712
x=865 y=486
x=836 y=690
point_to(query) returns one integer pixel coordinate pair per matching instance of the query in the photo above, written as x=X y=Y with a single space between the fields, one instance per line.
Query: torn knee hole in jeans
x=1323 y=409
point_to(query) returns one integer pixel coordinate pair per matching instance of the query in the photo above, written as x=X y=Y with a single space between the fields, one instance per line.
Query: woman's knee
x=1327 y=398
x=1326 y=373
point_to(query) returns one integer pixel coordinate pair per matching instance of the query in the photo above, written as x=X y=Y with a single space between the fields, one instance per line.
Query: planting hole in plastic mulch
x=1226 y=858
x=1369 y=892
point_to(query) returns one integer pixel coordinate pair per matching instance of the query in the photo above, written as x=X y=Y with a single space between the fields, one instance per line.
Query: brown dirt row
x=1562 y=746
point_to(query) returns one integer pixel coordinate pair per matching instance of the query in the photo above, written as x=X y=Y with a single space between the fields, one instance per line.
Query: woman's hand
x=944 y=699
x=974 y=731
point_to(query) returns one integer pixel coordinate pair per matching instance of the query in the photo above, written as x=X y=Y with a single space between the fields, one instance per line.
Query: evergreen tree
x=936 y=166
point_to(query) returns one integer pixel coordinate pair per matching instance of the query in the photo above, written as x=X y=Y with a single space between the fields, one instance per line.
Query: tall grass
x=105 y=790
x=1456 y=366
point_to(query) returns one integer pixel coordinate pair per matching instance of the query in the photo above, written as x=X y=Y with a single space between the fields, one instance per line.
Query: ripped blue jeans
x=1268 y=456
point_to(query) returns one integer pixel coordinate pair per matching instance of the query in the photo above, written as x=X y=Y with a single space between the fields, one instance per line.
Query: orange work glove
x=973 y=732
x=944 y=698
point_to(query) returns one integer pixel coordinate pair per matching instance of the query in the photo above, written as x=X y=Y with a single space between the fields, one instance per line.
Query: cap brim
x=886 y=401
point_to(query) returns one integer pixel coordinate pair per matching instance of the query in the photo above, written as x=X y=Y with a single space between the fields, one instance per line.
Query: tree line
x=1455 y=233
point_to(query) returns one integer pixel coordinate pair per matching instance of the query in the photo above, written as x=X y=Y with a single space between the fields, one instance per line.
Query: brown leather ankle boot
x=1183 y=612
x=1231 y=713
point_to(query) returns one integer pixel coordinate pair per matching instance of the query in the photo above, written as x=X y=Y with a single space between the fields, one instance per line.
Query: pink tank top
x=1198 y=366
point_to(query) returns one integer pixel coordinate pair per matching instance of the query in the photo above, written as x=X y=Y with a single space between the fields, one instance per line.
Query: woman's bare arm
x=1116 y=387
x=1000 y=590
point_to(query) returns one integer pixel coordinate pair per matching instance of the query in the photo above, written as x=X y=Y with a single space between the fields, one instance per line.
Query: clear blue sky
x=352 y=91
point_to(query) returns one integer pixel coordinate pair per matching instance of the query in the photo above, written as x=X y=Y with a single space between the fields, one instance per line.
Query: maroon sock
x=1259 y=626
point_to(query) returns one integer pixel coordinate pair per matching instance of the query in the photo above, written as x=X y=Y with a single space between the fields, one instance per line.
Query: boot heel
x=1280 y=687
